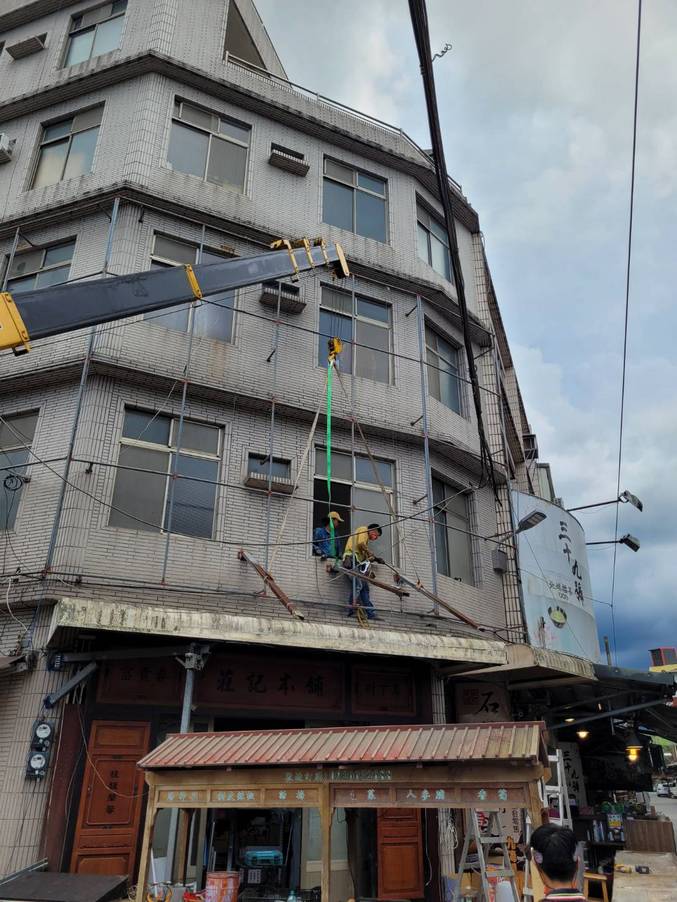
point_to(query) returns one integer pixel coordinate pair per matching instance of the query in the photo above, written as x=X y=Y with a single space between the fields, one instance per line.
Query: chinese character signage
x=573 y=770
x=157 y=681
x=242 y=681
x=376 y=691
x=481 y=703
x=556 y=580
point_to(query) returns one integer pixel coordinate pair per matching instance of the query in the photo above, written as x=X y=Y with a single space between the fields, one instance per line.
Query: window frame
x=42 y=143
x=169 y=450
x=355 y=186
x=422 y=207
x=166 y=262
x=356 y=317
x=18 y=446
x=178 y=102
x=432 y=328
x=42 y=268
x=364 y=486
x=74 y=30
x=450 y=491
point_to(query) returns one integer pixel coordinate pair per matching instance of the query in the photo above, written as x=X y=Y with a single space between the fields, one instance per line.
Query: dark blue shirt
x=322 y=542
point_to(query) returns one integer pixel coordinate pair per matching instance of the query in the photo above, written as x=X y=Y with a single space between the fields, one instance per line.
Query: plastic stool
x=591 y=877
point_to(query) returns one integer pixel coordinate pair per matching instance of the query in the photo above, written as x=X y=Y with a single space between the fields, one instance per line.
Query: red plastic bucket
x=222 y=886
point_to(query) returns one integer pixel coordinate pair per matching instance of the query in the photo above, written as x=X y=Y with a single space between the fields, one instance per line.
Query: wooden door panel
x=111 y=801
x=400 y=853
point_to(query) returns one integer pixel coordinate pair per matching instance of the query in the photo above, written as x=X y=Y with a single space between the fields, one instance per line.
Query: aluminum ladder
x=494 y=837
x=558 y=790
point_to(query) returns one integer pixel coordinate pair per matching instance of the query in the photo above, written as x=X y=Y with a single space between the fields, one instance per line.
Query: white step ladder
x=558 y=790
x=494 y=837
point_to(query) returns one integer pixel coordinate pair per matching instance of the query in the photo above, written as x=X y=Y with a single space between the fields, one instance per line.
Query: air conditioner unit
x=6 y=148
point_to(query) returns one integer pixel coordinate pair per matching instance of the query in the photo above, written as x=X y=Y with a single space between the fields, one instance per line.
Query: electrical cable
x=419 y=18
x=625 y=324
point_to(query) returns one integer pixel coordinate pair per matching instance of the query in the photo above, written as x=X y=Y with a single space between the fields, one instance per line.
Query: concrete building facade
x=138 y=455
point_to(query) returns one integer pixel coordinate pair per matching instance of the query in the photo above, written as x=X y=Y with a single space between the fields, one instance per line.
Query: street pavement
x=668 y=807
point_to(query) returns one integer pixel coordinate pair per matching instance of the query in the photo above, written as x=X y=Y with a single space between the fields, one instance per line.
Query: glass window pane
x=372 y=309
x=108 y=36
x=176 y=318
x=214 y=321
x=139 y=495
x=18 y=430
x=27 y=284
x=337 y=300
x=199 y=437
x=193 y=511
x=364 y=470
x=174 y=250
x=50 y=165
x=147 y=427
x=441 y=545
x=371 y=507
x=234 y=130
x=449 y=393
x=460 y=549
x=81 y=154
x=439 y=231
x=422 y=243
x=10 y=486
x=196 y=116
x=333 y=325
x=433 y=376
x=372 y=364
x=439 y=254
x=57 y=130
x=337 y=205
x=371 y=183
x=55 y=276
x=259 y=465
x=188 y=150
x=97 y=14
x=422 y=215
x=80 y=47
x=26 y=263
x=61 y=253
x=341 y=467
x=370 y=216
x=336 y=171
x=227 y=163
x=209 y=256
x=87 y=119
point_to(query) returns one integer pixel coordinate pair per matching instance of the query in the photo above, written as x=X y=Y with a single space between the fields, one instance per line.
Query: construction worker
x=358 y=558
x=322 y=537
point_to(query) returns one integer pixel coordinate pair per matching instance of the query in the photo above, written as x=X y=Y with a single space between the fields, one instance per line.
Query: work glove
x=379 y=560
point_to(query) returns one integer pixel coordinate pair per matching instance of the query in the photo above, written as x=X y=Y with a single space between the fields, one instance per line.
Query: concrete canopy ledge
x=119 y=617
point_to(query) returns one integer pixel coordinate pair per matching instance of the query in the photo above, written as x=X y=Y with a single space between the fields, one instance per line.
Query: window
x=433 y=243
x=356 y=496
x=239 y=42
x=259 y=465
x=442 y=358
x=67 y=148
x=40 y=267
x=354 y=200
x=210 y=320
x=366 y=336
x=95 y=32
x=208 y=145
x=149 y=444
x=453 y=544
x=15 y=434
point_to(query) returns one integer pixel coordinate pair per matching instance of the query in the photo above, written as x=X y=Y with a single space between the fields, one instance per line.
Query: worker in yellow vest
x=357 y=558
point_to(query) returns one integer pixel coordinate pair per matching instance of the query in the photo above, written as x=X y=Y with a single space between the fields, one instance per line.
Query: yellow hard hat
x=333 y=515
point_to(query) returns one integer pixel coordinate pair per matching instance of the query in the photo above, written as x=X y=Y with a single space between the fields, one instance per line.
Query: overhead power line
x=625 y=324
x=419 y=18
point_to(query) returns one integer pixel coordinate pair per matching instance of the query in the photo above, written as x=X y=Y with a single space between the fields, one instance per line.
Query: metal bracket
x=195 y=657
x=50 y=700
x=286 y=243
x=193 y=282
x=13 y=332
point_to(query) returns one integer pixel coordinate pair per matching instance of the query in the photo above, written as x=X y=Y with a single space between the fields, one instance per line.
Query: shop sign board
x=156 y=681
x=375 y=691
x=482 y=703
x=556 y=580
x=573 y=769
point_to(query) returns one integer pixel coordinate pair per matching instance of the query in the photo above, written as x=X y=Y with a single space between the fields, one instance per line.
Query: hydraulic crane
x=76 y=305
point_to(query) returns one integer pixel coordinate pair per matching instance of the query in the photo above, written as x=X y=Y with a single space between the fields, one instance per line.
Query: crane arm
x=75 y=305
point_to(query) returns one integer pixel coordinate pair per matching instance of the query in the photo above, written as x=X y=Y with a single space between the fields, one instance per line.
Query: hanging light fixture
x=582 y=734
x=633 y=746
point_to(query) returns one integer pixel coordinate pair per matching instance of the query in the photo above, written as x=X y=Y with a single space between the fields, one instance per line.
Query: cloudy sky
x=536 y=105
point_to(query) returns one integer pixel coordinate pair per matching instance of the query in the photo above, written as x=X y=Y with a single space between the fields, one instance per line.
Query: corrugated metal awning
x=439 y=744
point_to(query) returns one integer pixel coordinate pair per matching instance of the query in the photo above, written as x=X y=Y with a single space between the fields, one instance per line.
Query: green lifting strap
x=330 y=373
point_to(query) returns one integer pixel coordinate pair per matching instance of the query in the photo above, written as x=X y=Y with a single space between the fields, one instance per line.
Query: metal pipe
x=79 y=403
x=584 y=507
x=10 y=259
x=271 y=440
x=615 y=712
x=179 y=431
x=426 y=445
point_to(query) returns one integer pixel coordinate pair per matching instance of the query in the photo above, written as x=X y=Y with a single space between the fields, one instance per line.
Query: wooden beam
x=326 y=816
x=146 y=843
x=182 y=845
x=268 y=580
x=369 y=579
x=440 y=601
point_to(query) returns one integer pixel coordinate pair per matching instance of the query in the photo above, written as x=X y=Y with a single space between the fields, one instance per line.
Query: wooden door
x=400 y=853
x=109 y=815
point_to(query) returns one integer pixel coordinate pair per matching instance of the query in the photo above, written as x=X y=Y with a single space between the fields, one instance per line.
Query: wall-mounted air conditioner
x=6 y=148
